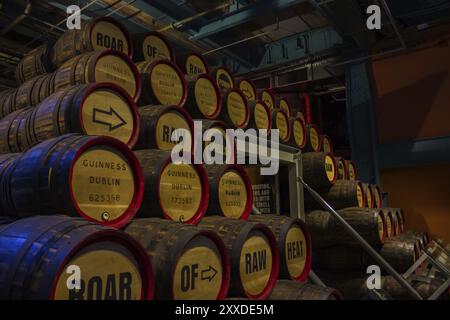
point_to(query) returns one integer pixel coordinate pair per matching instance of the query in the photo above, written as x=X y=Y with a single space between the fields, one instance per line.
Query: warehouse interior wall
x=413 y=102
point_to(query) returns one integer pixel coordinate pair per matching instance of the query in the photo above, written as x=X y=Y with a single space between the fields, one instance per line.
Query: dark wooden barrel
x=313 y=143
x=157 y=125
x=14 y=131
x=193 y=64
x=189 y=263
x=97 y=178
x=31 y=92
x=35 y=63
x=370 y=200
x=390 y=223
x=103 y=66
x=341 y=259
x=204 y=99
x=327 y=144
x=95 y=35
x=285 y=106
x=177 y=192
x=294 y=244
x=211 y=130
x=101 y=109
x=396 y=222
x=420 y=237
x=152 y=46
x=319 y=169
x=326 y=231
x=42 y=251
x=7 y=100
x=341 y=168
x=248 y=88
x=378 y=200
x=163 y=83
x=292 y=290
x=224 y=78
x=352 y=171
x=260 y=116
x=269 y=98
x=300 y=115
x=43 y=88
x=254 y=255
x=5 y=161
x=298 y=135
x=231 y=193
x=281 y=122
x=343 y=194
x=401 y=218
x=400 y=254
x=235 y=110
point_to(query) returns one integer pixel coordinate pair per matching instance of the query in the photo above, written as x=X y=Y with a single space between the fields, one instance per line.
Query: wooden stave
x=291 y=290
x=314 y=172
x=36 y=62
x=401 y=254
x=341 y=195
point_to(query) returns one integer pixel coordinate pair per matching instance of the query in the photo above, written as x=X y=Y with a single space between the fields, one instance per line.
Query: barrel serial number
x=110 y=198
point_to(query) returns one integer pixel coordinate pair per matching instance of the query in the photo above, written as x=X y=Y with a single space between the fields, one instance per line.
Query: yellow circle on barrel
x=295 y=251
x=198 y=275
x=195 y=65
x=326 y=144
x=154 y=48
x=236 y=108
x=255 y=266
x=330 y=169
x=351 y=171
x=377 y=197
x=180 y=191
x=168 y=123
x=341 y=170
x=360 y=196
x=268 y=99
x=301 y=116
x=167 y=84
x=106 y=35
x=232 y=194
x=298 y=131
x=224 y=79
x=282 y=125
x=284 y=106
x=247 y=89
x=106 y=113
x=388 y=225
x=380 y=227
x=206 y=97
x=314 y=138
x=107 y=272
x=368 y=197
x=261 y=117
x=102 y=183
x=113 y=69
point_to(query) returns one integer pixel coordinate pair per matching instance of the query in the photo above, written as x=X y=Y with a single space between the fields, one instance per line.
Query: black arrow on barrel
x=110 y=118
x=209 y=274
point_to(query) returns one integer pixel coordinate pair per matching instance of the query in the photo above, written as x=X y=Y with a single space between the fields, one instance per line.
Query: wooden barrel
x=235 y=110
x=97 y=178
x=420 y=237
x=352 y=171
x=396 y=223
x=32 y=92
x=101 y=109
x=157 y=125
x=281 y=122
x=43 y=88
x=341 y=259
x=260 y=116
x=193 y=64
x=341 y=168
x=343 y=194
x=254 y=255
x=400 y=254
x=370 y=201
x=7 y=100
x=294 y=245
x=378 y=200
x=327 y=144
x=298 y=135
x=224 y=78
x=43 y=250
x=212 y=130
x=189 y=263
x=177 y=192
x=400 y=219
x=162 y=84
x=152 y=46
x=95 y=35
x=103 y=66
x=14 y=131
x=231 y=193
x=313 y=143
x=319 y=169
x=326 y=231
x=301 y=116
x=292 y=290
x=248 y=88
x=285 y=106
x=390 y=223
x=269 y=98
x=204 y=98
x=36 y=62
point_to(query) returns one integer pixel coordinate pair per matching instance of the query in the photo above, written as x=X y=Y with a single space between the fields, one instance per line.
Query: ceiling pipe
x=393 y=23
x=18 y=19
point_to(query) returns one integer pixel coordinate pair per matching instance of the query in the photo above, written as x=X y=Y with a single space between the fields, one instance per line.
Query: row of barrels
x=153 y=258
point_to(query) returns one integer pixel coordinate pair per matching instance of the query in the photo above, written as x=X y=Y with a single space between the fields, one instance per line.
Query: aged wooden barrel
x=269 y=98
x=313 y=143
x=400 y=254
x=224 y=78
x=95 y=35
x=230 y=190
x=32 y=92
x=370 y=201
x=177 y=192
x=326 y=231
x=14 y=131
x=292 y=290
x=248 y=88
x=157 y=125
x=400 y=219
x=300 y=116
x=7 y=100
x=343 y=194
x=378 y=200
x=319 y=169
x=204 y=98
x=43 y=88
x=260 y=115
x=352 y=171
x=102 y=66
x=212 y=130
x=97 y=178
x=342 y=168
x=421 y=237
x=152 y=46
x=281 y=122
x=162 y=83
x=298 y=135
x=101 y=109
x=36 y=62
x=285 y=106
x=327 y=144
x=189 y=263
x=43 y=250
x=341 y=259
x=235 y=110
x=294 y=245
x=254 y=255
x=193 y=64
x=396 y=222
x=390 y=223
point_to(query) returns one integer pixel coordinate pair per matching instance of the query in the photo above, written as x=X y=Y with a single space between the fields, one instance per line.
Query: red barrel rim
x=248 y=188
x=344 y=165
x=351 y=163
x=247 y=113
x=381 y=214
x=115 y=236
x=202 y=58
x=308 y=263
x=218 y=95
x=363 y=194
x=134 y=110
x=288 y=104
x=315 y=127
x=272 y=96
x=131 y=211
x=233 y=80
x=250 y=82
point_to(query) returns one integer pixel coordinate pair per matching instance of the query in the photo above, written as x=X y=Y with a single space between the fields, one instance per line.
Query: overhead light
x=422 y=26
